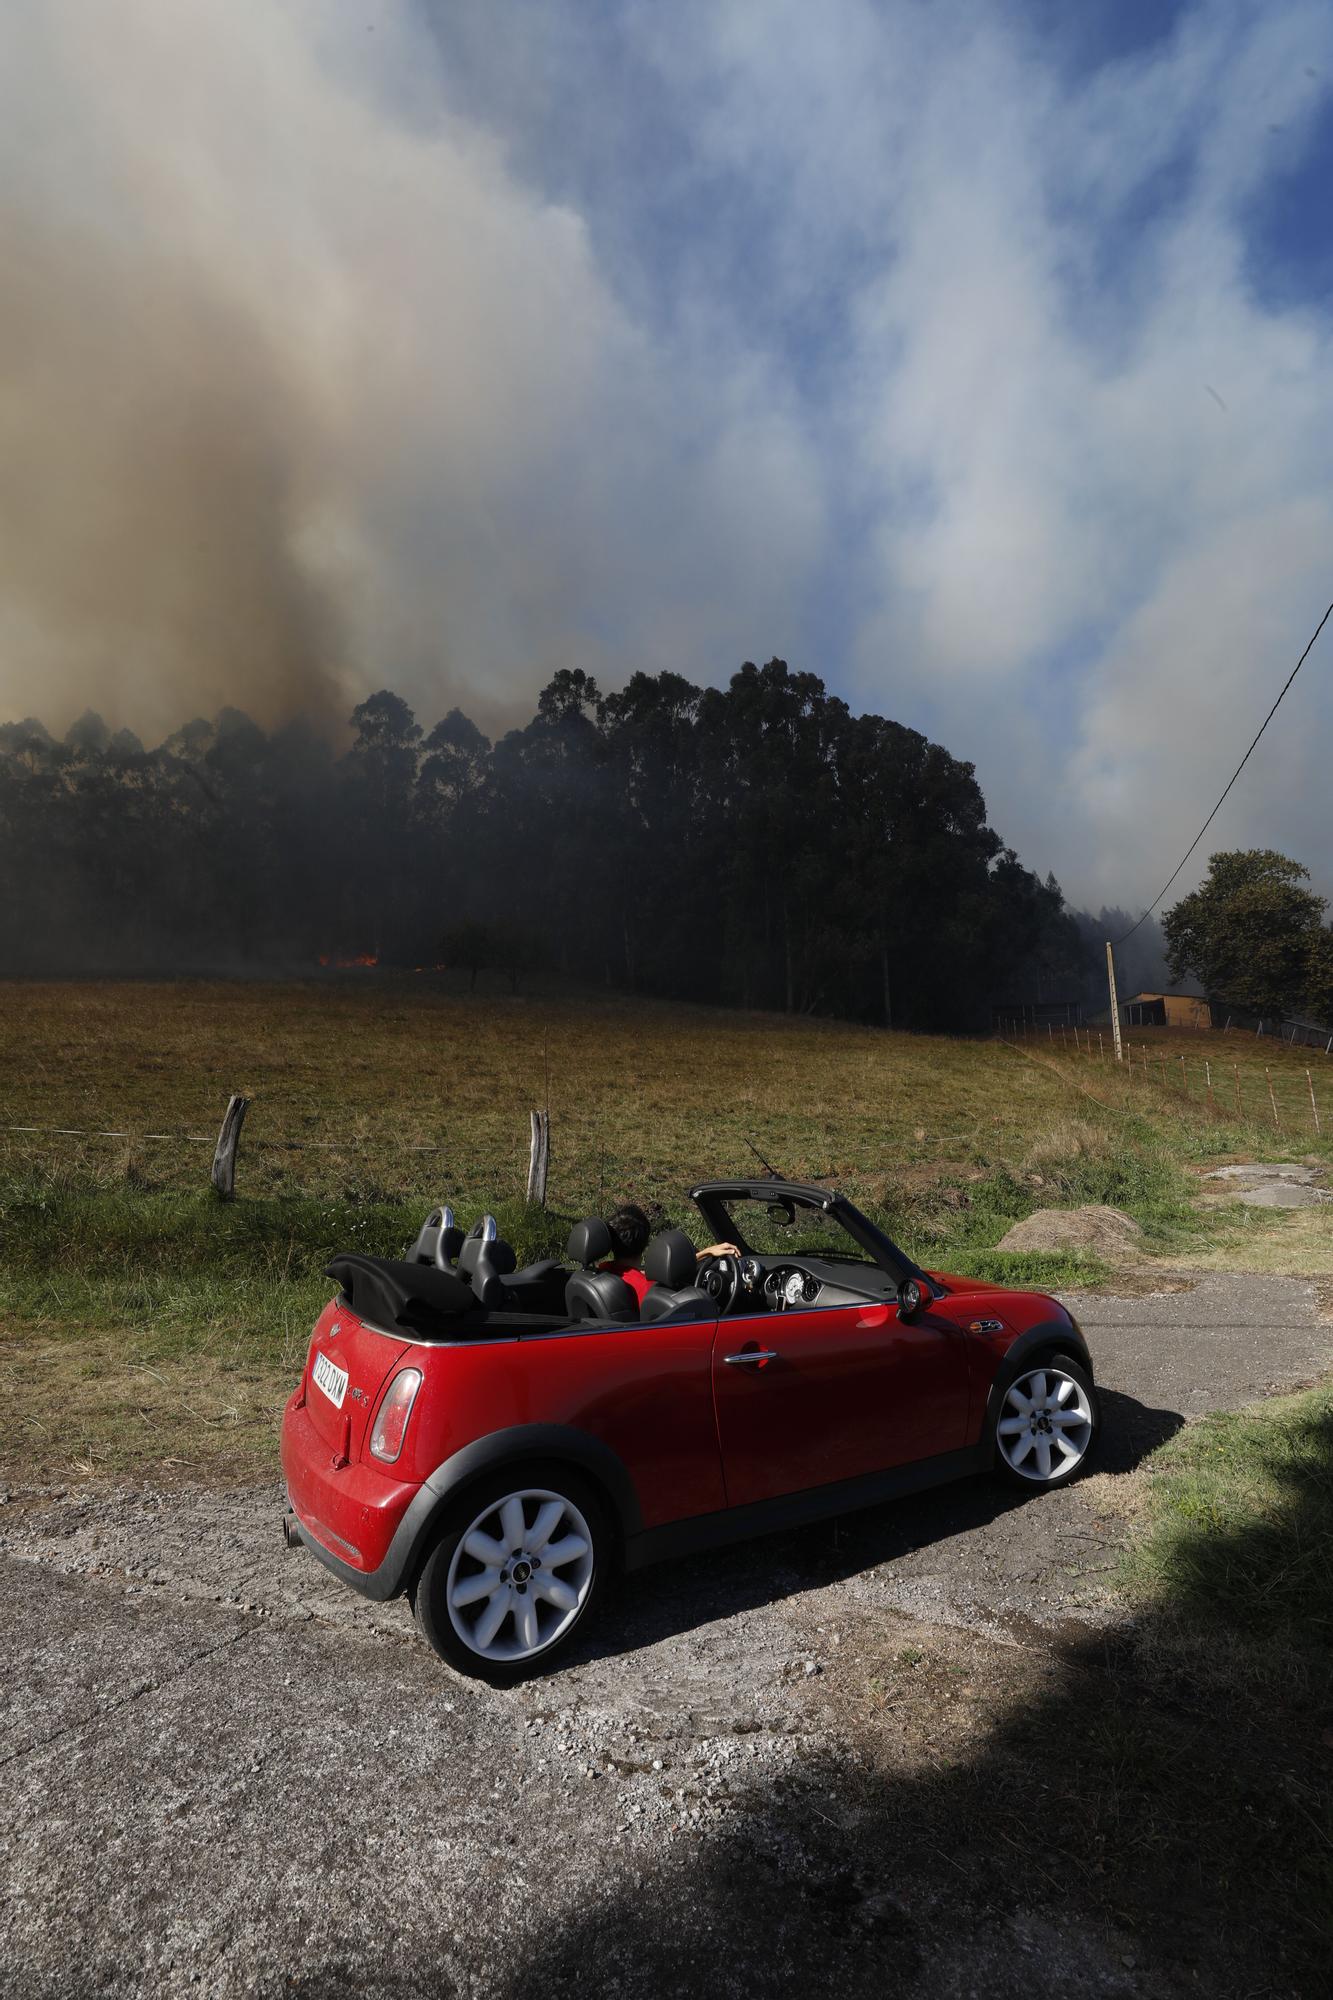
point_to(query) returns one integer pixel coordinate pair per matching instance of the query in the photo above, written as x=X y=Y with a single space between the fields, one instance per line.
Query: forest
x=756 y=844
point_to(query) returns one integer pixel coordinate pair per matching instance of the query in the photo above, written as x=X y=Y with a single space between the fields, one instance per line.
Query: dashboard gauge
x=793 y=1289
x=750 y=1272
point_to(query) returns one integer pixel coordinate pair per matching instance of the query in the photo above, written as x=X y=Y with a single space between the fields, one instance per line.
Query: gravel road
x=223 y=1774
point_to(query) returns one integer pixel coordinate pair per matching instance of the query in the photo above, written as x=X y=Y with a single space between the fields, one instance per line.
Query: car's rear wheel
x=1045 y=1424
x=514 y=1574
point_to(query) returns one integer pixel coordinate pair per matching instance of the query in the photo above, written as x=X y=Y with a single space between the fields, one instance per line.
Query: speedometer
x=794 y=1288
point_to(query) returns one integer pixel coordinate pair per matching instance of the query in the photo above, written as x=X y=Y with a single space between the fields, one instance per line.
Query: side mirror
x=913 y=1298
x=783 y=1212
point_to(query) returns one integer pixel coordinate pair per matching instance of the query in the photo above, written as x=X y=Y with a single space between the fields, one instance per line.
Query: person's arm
x=719 y=1250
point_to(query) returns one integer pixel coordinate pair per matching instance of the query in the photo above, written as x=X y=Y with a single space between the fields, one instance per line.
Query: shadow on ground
x=1145 y=1813
x=676 y=1597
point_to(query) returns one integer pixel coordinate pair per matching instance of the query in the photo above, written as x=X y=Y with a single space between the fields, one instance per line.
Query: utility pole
x=1115 y=1004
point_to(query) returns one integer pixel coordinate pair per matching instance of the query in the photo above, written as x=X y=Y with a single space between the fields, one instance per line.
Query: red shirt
x=637 y=1281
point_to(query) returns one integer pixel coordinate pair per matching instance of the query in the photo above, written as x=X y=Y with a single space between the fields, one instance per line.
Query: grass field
x=1281 y=1090
x=141 y=1320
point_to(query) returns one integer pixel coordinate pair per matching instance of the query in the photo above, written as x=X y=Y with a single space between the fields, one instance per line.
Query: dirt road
x=220 y=1773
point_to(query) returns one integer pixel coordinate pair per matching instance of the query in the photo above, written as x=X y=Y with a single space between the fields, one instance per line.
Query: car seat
x=485 y=1262
x=592 y=1294
x=439 y=1241
x=670 y=1261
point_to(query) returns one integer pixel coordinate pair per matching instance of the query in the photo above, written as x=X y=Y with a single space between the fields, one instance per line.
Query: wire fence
x=1279 y=1096
x=211 y=1138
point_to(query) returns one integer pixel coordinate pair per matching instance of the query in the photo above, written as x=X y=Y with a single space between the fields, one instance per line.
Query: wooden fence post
x=1240 y=1108
x=223 y=1175
x=539 y=1157
x=1313 y=1106
x=1272 y=1100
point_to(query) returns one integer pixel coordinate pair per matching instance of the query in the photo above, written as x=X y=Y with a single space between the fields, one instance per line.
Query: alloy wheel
x=1045 y=1426
x=520 y=1575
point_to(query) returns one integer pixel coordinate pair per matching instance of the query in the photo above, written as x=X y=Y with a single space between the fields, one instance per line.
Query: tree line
x=756 y=844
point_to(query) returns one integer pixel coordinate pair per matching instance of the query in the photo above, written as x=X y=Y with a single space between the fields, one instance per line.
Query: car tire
x=1044 y=1423
x=489 y=1599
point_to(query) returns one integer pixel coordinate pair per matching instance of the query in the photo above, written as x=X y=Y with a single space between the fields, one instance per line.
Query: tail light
x=386 y=1440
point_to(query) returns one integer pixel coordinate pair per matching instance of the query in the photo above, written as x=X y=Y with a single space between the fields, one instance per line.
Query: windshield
x=786 y=1229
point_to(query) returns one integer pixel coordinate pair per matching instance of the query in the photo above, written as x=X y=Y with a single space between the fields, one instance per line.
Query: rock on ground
x=1280 y=1184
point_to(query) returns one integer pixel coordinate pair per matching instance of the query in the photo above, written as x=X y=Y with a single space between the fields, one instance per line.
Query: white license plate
x=331 y=1379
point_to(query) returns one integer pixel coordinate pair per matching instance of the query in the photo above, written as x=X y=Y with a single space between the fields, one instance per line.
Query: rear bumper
x=349 y=1516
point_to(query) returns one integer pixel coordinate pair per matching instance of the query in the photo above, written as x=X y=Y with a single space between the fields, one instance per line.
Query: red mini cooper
x=496 y=1442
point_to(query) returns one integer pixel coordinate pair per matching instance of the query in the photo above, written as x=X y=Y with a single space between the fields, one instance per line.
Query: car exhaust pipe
x=291 y=1532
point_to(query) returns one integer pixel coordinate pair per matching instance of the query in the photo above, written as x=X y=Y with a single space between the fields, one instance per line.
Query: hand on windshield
x=720 y=1250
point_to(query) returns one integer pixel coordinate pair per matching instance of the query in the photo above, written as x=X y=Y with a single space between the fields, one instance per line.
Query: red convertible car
x=496 y=1442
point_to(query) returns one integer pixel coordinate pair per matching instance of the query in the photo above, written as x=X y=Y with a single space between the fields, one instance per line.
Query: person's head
x=630 y=1230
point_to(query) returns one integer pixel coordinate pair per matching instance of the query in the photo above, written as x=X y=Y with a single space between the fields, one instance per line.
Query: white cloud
x=1082 y=571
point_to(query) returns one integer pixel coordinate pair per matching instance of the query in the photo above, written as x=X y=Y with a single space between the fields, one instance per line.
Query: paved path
x=220 y=1773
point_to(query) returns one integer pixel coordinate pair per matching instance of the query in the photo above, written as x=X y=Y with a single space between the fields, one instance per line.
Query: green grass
x=1239 y=1535
x=1032 y=1270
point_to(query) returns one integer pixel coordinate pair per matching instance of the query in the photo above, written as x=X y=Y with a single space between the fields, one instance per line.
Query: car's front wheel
x=1045 y=1423
x=514 y=1574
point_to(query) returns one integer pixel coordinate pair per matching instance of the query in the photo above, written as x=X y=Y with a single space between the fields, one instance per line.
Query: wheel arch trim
x=1050 y=1336
x=515 y=1445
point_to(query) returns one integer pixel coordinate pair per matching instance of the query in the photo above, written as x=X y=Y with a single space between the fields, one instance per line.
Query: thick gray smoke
x=302 y=394
x=158 y=457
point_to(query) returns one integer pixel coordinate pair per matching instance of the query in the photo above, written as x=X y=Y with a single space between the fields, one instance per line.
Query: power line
x=1230 y=782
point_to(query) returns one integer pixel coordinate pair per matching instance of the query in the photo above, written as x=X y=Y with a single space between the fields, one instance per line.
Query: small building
x=1168 y=1010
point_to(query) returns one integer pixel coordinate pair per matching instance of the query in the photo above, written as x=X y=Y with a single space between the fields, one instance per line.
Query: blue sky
x=976 y=356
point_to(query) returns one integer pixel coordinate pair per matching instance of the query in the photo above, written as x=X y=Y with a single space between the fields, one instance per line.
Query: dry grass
x=1223 y=1074
x=358 y=1071
x=348 y=1075
x=138 y=1321
x=1292 y=1243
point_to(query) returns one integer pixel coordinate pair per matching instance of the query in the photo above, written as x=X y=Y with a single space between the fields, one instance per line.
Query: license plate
x=331 y=1379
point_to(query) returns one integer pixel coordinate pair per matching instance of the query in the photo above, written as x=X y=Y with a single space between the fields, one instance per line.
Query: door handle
x=750 y=1358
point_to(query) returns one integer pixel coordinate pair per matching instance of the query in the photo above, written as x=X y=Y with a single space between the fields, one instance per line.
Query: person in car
x=630 y=1231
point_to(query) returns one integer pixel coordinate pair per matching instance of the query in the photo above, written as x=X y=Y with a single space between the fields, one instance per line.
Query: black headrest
x=589 y=1242
x=498 y=1254
x=670 y=1259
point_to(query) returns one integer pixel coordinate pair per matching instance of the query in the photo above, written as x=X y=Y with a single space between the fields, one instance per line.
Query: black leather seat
x=592 y=1294
x=439 y=1241
x=540 y=1287
x=600 y=1295
x=671 y=1263
x=485 y=1266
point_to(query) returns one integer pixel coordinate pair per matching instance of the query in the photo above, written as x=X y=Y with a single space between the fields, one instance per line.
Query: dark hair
x=630 y=1229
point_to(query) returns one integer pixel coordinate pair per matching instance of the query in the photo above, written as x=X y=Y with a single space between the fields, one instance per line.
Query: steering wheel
x=720 y=1277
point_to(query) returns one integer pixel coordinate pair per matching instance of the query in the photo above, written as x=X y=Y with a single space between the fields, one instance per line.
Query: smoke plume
x=301 y=393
